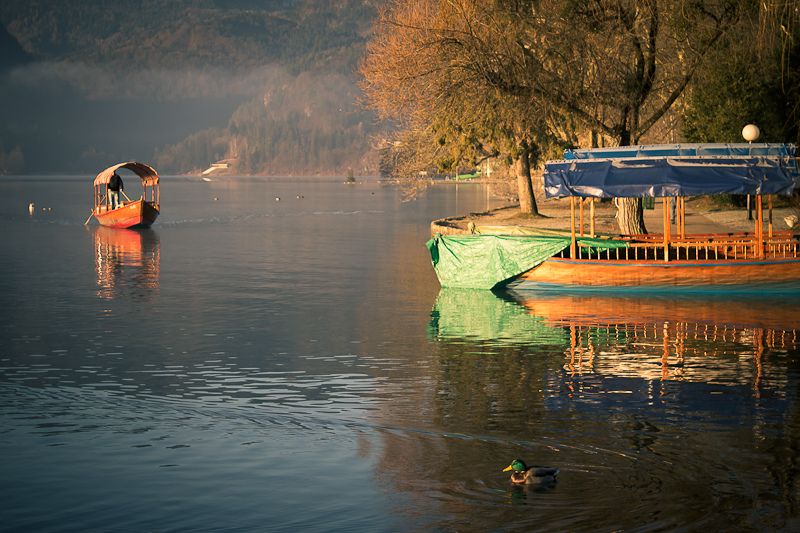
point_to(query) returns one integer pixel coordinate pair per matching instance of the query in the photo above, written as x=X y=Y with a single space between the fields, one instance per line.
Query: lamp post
x=750 y=134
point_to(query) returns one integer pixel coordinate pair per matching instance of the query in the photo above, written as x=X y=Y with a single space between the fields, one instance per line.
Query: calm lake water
x=252 y=364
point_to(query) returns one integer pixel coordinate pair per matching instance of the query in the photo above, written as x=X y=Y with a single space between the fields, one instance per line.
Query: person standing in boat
x=115 y=185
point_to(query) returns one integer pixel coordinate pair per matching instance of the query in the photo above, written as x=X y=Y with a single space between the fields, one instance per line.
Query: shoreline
x=701 y=217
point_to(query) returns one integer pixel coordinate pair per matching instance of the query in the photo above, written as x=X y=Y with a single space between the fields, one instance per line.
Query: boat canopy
x=668 y=176
x=147 y=173
x=673 y=170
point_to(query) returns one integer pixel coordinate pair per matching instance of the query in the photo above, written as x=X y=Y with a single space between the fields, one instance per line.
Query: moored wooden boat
x=141 y=213
x=764 y=259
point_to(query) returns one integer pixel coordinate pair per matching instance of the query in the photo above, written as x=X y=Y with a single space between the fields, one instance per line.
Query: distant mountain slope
x=105 y=80
x=180 y=33
x=309 y=124
x=11 y=53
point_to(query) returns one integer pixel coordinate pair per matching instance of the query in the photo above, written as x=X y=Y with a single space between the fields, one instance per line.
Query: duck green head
x=517 y=465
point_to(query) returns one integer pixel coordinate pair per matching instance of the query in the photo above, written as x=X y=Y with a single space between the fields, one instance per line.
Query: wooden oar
x=98 y=203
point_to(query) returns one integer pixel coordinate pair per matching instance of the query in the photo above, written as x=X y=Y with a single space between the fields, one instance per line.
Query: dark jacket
x=115 y=183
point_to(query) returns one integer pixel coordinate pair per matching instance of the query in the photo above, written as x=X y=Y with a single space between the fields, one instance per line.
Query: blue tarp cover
x=636 y=177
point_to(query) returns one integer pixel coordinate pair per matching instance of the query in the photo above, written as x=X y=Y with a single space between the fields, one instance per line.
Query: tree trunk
x=630 y=216
x=630 y=213
x=522 y=167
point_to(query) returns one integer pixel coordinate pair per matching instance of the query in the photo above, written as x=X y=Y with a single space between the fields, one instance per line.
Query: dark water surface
x=253 y=364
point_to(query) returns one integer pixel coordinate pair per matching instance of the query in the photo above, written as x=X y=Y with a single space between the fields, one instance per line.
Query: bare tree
x=430 y=68
x=615 y=66
x=543 y=67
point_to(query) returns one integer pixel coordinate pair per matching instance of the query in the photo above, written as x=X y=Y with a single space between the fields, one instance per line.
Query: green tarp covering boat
x=489 y=261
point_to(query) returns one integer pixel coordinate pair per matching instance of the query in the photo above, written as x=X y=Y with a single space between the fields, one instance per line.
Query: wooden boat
x=139 y=213
x=764 y=259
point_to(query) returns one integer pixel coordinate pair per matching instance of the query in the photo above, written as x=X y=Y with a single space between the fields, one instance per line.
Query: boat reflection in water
x=126 y=259
x=483 y=318
x=691 y=339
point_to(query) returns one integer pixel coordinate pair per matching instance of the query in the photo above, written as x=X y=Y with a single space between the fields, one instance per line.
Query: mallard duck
x=529 y=475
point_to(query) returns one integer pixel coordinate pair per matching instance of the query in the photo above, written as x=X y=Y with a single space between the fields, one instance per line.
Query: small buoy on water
x=31 y=208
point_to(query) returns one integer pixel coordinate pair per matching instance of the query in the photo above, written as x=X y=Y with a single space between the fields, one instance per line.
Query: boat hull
x=138 y=214
x=685 y=276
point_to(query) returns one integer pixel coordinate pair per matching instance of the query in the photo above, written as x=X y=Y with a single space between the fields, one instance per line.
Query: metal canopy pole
x=572 y=244
x=769 y=204
x=760 y=226
x=681 y=208
x=666 y=228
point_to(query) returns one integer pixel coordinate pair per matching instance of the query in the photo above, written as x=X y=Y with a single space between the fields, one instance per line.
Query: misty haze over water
x=75 y=118
x=183 y=84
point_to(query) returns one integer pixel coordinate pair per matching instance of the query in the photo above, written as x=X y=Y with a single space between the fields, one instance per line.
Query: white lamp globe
x=751 y=132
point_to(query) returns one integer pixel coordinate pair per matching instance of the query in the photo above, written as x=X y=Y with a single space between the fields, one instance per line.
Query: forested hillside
x=307 y=123
x=270 y=84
